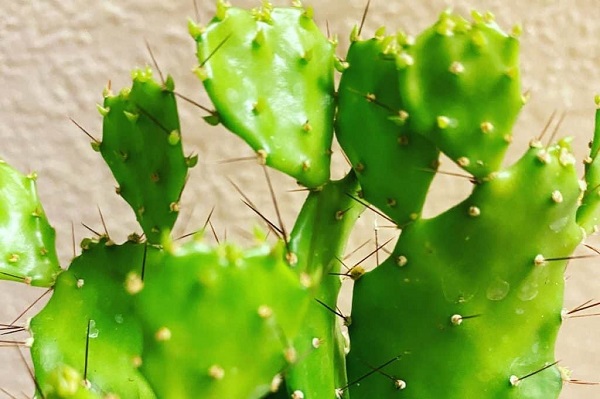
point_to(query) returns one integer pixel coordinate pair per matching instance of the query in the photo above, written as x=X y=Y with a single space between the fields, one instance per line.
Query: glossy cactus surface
x=27 y=249
x=256 y=63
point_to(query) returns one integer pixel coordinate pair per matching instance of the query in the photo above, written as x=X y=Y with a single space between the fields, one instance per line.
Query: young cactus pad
x=460 y=82
x=27 y=249
x=394 y=165
x=141 y=143
x=269 y=73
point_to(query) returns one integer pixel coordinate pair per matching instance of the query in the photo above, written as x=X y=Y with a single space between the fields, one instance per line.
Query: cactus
x=473 y=296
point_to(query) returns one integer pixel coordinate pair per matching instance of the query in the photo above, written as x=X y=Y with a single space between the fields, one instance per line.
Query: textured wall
x=57 y=55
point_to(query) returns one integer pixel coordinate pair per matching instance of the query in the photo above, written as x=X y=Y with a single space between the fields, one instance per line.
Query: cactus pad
x=269 y=73
x=91 y=307
x=394 y=165
x=141 y=144
x=27 y=249
x=319 y=237
x=460 y=81
x=220 y=323
x=460 y=291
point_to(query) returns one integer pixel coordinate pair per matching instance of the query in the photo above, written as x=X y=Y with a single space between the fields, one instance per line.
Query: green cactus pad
x=269 y=73
x=141 y=144
x=220 y=323
x=27 y=249
x=461 y=85
x=92 y=295
x=319 y=238
x=588 y=215
x=394 y=165
x=467 y=306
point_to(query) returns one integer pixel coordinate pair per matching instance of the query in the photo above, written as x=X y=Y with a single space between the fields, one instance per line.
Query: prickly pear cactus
x=467 y=305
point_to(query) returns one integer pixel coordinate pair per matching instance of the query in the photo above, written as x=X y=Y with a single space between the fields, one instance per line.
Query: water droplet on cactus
x=93 y=331
x=559 y=224
x=455 y=290
x=497 y=290
x=528 y=291
x=119 y=318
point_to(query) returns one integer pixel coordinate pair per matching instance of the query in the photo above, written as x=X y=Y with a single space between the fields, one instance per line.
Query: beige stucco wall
x=57 y=55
